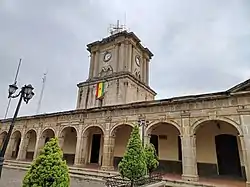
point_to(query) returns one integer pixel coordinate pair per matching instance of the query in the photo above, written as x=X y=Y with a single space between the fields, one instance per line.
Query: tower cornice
x=117 y=75
x=95 y=45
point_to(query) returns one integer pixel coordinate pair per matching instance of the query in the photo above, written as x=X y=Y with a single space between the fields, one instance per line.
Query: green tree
x=133 y=164
x=48 y=169
x=151 y=158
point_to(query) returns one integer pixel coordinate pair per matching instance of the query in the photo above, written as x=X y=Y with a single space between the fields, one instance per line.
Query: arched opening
x=46 y=136
x=2 y=138
x=166 y=139
x=94 y=146
x=218 y=150
x=30 y=144
x=14 y=145
x=121 y=135
x=69 y=135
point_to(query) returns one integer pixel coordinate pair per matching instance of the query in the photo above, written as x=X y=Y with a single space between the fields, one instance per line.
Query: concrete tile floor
x=213 y=182
x=208 y=181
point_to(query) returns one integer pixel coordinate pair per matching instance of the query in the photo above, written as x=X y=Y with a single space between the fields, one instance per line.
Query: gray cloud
x=199 y=46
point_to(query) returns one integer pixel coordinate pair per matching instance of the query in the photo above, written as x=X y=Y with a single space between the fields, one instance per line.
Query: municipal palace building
x=205 y=135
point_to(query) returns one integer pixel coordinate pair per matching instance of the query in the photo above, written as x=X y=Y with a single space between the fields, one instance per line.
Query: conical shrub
x=133 y=164
x=48 y=169
x=151 y=158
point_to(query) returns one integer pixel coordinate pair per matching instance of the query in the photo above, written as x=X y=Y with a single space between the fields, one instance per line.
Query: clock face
x=107 y=56
x=138 y=60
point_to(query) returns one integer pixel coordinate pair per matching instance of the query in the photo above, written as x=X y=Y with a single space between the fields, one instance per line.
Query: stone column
x=108 y=153
x=77 y=160
x=147 y=139
x=129 y=61
x=147 y=72
x=96 y=66
x=245 y=141
x=117 y=57
x=144 y=70
x=78 y=151
x=10 y=147
x=37 y=142
x=92 y=61
x=244 y=154
x=121 y=58
x=189 y=161
x=1 y=140
x=58 y=131
x=84 y=150
x=40 y=145
x=61 y=141
x=140 y=131
x=23 y=148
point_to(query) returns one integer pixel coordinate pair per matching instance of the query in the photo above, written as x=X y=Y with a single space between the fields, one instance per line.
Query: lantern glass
x=28 y=89
x=12 y=89
x=30 y=95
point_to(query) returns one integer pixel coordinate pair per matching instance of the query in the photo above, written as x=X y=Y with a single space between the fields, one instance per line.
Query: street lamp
x=26 y=93
x=143 y=124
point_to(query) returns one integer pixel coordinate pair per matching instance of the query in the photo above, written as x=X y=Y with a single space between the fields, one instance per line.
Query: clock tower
x=118 y=72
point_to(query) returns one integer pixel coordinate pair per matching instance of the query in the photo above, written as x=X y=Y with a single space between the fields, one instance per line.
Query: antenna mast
x=41 y=95
x=114 y=29
x=15 y=82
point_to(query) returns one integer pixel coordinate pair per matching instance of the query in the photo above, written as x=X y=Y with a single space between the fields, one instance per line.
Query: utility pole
x=15 y=82
x=41 y=95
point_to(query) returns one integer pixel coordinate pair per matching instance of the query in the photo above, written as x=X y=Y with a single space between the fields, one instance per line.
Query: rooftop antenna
x=42 y=91
x=125 y=22
x=116 y=28
x=125 y=18
x=15 y=82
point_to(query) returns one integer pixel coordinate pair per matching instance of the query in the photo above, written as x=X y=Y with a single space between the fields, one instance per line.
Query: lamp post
x=143 y=124
x=26 y=93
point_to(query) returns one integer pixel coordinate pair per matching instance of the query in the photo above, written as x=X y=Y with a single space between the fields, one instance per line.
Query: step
x=98 y=175
x=80 y=177
x=180 y=183
x=74 y=171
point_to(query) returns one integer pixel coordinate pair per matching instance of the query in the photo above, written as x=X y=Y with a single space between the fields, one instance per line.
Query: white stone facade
x=187 y=128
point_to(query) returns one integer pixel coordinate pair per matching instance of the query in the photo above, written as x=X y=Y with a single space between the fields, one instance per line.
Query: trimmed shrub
x=133 y=165
x=151 y=158
x=48 y=169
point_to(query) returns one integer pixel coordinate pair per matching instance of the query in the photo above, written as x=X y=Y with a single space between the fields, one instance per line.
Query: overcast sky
x=199 y=45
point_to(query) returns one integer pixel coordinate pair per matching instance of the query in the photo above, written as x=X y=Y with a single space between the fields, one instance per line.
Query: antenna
x=114 y=29
x=125 y=18
x=15 y=82
x=42 y=91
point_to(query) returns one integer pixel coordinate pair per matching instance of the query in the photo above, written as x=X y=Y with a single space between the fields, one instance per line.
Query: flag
x=100 y=90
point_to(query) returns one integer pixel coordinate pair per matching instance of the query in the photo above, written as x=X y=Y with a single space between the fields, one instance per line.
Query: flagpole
x=15 y=81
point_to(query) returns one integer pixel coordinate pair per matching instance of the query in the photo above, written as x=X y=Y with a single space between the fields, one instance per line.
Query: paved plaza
x=13 y=178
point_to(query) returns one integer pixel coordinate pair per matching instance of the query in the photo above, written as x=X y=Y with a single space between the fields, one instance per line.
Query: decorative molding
x=108 y=119
x=162 y=118
x=185 y=114
x=243 y=110
x=212 y=114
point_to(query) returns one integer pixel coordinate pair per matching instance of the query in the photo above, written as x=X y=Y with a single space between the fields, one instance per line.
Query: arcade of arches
x=214 y=147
